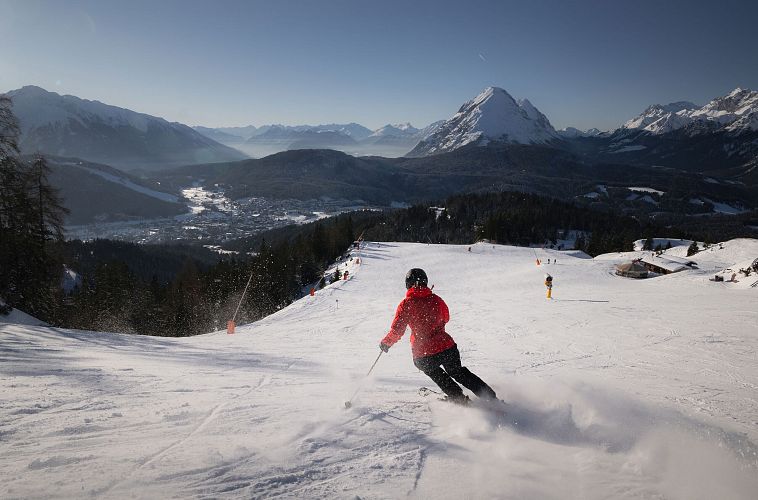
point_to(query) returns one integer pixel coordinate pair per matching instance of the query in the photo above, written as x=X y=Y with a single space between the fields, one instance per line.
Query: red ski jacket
x=426 y=314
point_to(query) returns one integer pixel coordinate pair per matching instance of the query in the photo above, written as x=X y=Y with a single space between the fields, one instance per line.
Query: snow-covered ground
x=642 y=189
x=616 y=388
x=198 y=200
x=663 y=242
x=124 y=181
x=18 y=318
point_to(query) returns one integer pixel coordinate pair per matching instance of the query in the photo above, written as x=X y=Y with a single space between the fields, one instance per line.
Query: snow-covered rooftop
x=664 y=263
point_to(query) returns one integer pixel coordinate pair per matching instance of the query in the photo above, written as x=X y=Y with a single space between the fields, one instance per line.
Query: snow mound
x=19 y=318
x=729 y=252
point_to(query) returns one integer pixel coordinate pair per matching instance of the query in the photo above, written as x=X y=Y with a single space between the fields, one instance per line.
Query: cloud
x=482 y=58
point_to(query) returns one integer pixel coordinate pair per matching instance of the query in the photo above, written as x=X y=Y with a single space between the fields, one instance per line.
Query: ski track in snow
x=615 y=389
x=210 y=416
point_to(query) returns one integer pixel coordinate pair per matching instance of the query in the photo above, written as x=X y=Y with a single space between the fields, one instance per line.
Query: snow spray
x=349 y=402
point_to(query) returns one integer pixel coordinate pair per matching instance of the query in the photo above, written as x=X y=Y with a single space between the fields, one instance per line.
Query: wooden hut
x=631 y=270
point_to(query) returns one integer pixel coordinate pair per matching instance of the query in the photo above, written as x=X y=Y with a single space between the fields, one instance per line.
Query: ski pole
x=349 y=403
x=230 y=325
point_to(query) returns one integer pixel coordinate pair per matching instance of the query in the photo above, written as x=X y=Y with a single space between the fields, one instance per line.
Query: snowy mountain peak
x=650 y=118
x=739 y=101
x=37 y=107
x=66 y=125
x=404 y=126
x=491 y=116
x=491 y=99
x=398 y=129
x=573 y=132
x=734 y=112
x=673 y=107
x=488 y=94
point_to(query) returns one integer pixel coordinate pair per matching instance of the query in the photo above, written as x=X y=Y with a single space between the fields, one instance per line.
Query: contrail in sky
x=482 y=58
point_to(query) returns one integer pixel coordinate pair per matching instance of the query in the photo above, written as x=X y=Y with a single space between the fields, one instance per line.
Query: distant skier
x=434 y=351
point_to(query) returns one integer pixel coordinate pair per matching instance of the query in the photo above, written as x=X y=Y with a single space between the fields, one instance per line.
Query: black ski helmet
x=416 y=277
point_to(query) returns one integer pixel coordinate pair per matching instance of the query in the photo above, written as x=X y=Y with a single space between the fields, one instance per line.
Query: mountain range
x=65 y=125
x=492 y=116
x=573 y=133
x=736 y=112
x=495 y=142
x=492 y=142
x=391 y=140
x=719 y=139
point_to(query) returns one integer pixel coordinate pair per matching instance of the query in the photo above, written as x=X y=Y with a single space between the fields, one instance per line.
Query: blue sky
x=226 y=63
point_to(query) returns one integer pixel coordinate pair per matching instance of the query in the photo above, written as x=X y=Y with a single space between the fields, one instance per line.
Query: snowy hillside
x=124 y=181
x=19 y=317
x=616 y=388
x=493 y=115
x=65 y=125
x=735 y=112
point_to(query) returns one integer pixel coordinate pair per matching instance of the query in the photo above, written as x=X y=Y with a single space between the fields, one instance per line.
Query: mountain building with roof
x=666 y=264
x=632 y=269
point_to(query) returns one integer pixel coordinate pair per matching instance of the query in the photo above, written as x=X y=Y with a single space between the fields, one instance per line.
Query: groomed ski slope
x=617 y=388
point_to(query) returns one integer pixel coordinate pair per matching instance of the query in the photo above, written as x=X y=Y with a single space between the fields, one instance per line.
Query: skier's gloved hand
x=384 y=347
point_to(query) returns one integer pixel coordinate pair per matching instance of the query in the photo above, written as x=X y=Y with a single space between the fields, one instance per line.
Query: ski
x=497 y=406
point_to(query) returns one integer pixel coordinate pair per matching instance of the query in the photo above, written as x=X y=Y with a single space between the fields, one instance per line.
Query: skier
x=434 y=351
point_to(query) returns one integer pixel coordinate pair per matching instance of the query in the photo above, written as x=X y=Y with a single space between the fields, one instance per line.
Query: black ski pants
x=450 y=360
